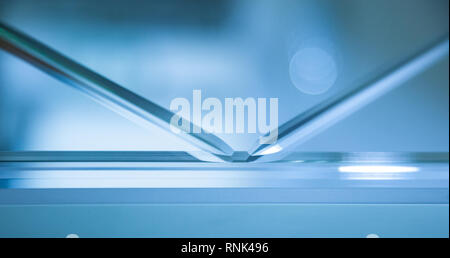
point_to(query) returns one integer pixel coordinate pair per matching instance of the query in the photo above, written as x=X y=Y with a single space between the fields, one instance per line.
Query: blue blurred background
x=163 y=49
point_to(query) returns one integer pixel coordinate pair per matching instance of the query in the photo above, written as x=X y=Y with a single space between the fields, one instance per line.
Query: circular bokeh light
x=313 y=70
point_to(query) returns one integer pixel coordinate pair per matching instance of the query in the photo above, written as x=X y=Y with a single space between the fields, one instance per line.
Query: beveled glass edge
x=365 y=157
x=97 y=156
x=180 y=156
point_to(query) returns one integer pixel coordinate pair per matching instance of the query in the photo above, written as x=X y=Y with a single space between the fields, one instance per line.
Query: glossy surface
x=146 y=177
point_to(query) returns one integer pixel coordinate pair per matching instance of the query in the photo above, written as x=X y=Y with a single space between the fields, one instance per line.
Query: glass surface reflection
x=301 y=177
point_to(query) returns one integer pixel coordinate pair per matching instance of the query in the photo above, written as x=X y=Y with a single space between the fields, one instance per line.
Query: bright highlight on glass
x=378 y=169
x=272 y=150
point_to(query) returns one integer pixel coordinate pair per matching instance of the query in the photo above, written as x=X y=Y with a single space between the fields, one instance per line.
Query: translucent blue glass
x=177 y=177
x=303 y=52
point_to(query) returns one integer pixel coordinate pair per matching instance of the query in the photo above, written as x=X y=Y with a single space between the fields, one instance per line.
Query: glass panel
x=301 y=52
x=178 y=177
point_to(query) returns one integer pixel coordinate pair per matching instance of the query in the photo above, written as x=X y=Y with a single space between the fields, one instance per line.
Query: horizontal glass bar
x=180 y=156
x=73 y=177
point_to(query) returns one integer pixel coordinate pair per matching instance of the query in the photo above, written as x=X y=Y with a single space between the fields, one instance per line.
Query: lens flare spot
x=313 y=70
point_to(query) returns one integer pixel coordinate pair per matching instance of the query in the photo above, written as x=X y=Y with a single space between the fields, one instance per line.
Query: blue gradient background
x=165 y=49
